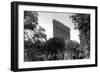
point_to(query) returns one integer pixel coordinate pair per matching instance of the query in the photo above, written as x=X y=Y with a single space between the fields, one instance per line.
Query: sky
x=46 y=18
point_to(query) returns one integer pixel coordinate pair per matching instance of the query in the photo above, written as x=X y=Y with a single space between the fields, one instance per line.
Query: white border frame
x=22 y=64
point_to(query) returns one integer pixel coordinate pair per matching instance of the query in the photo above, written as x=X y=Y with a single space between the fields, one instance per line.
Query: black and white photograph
x=53 y=36
x=56 y=36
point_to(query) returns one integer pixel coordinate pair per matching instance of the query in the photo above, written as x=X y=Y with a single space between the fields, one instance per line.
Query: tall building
x=60 y=30
x=83 y=41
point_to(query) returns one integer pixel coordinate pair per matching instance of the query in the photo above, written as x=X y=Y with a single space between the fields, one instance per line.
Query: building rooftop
x=61 y=24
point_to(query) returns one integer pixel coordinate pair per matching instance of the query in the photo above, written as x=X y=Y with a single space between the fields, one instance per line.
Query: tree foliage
x=54 y=48
x=82 y=23
x=34 y=35
x=32 y=29
x=74 y=49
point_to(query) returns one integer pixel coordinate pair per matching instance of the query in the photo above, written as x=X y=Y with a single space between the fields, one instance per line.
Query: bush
x=54 y=48
x=73 y=49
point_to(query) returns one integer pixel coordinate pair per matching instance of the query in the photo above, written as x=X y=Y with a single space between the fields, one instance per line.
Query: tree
x=73 y=48
x=31 y=27
x=82 y=23
x=30 y=20
x=54 y=48
x=34 y=35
